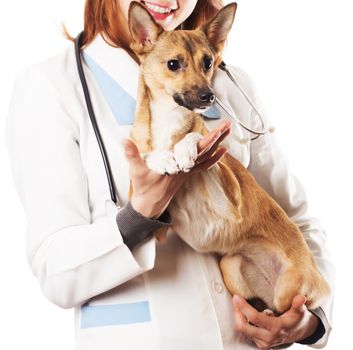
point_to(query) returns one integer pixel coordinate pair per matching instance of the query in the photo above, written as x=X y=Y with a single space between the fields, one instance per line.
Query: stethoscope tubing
x=258 y=133
x=112 y=188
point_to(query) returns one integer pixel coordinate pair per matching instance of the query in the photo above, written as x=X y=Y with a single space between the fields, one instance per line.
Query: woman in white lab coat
x=129 y=291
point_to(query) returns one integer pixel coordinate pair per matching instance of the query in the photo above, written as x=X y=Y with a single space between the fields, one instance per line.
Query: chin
x=168 y=26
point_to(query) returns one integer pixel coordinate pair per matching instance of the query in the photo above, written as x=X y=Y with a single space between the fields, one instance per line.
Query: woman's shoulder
x=58 y=69
x=42 y=91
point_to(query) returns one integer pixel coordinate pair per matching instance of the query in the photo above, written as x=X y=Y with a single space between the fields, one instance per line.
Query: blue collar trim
x=120 y=102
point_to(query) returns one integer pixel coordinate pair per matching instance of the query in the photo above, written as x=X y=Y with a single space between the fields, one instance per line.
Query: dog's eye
x=207 y=63
x=173 y=65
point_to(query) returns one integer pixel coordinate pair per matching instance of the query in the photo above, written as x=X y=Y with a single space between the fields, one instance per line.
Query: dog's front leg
x=185 y=151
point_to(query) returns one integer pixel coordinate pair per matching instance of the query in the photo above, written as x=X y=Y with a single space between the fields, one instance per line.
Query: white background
x=300 y=55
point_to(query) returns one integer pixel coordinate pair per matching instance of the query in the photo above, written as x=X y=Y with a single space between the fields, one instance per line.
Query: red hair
x=100 y=17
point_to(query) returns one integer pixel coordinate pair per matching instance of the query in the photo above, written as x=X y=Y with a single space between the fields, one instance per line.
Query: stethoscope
x=223 y=66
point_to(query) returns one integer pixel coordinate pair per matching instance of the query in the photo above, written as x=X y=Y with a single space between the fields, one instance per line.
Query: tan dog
x=264 y=253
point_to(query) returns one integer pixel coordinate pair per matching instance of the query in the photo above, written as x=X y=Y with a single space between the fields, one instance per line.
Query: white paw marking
x=162 y=162
x=185 y=151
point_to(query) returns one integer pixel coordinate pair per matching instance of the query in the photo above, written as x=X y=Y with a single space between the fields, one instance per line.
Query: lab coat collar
x=116 y=62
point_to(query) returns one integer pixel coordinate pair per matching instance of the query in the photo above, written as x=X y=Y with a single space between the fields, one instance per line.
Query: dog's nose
x=206 y=96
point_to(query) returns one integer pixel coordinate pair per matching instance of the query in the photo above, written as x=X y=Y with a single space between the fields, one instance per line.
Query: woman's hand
x=294 y=325
x=153 y=192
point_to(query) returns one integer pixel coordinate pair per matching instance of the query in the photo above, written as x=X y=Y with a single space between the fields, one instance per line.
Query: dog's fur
x=223 y=210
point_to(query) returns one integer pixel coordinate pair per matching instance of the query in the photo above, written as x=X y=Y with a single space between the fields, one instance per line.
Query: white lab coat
x=161 y=296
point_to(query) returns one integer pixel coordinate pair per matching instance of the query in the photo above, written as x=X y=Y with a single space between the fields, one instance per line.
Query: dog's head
x=179 y=64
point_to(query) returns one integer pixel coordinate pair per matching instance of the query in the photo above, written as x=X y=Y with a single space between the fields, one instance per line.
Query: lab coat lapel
x=121 y=103
x=116 y=74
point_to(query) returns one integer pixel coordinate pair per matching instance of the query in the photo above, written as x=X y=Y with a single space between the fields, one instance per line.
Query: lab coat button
x=218 y=287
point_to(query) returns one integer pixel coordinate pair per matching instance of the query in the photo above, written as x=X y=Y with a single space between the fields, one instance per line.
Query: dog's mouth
x=191 y=105
x=158 y=11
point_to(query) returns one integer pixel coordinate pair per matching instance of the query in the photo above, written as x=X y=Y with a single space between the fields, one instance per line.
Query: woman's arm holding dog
x=269 y=167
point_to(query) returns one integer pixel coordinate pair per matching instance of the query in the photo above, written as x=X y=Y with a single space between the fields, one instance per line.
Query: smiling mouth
x=159 y=12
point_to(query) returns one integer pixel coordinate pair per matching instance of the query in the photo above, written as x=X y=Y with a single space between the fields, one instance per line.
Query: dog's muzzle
x=199 y=99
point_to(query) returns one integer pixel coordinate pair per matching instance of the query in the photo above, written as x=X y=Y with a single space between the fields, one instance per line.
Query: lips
x=159 y=11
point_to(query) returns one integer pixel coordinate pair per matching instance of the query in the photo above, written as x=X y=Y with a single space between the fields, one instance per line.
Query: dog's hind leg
x=253 y=273
x=231 y=268
x=302 y=280
x=287 y=288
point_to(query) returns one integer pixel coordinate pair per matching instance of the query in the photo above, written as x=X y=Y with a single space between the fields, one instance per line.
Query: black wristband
x=318 y=334
x=136 y=228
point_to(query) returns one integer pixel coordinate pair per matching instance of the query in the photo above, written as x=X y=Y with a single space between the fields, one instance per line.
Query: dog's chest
x=202 y=214
x=167 y=120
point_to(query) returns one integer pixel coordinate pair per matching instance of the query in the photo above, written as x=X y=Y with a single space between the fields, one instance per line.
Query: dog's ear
x=143 y=29
x=218 y=27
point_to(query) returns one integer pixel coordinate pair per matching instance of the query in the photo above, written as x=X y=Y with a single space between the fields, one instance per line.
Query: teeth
x=158 y=9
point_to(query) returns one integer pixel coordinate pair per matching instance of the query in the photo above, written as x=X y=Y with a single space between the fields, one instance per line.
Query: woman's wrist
x=313 y=331
x=311 y=325
x=147 y=210
x=136 y=228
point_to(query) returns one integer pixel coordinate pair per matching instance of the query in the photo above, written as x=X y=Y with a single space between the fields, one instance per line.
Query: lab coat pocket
x=118 y=319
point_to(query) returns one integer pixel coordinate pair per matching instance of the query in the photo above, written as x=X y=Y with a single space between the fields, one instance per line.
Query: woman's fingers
x=132 y=154
x=207 y=148
x=259 y=319
x=208 y=141
x=242 y=325
x=210 y=161
x=214 y=147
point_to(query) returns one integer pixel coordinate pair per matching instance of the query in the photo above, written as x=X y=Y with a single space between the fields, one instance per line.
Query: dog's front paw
x=162 y=162
x=185 y=151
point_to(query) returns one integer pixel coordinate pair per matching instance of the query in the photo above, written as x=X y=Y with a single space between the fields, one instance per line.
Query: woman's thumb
x=298 y=302
x=131 y=151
